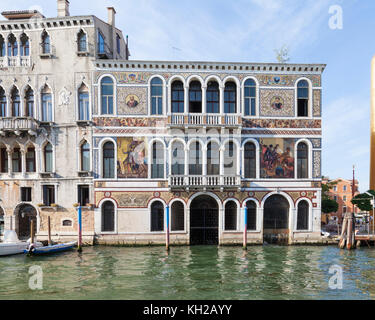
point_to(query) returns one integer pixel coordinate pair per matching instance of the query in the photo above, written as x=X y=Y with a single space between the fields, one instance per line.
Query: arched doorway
x=204 y=221
x=276 y=219
x=25 y=213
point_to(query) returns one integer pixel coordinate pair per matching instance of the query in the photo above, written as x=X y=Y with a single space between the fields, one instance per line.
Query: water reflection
x=197 y=272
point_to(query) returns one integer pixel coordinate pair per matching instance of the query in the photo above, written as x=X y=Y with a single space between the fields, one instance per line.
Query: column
x=9 y=151
x=221 y=88
x=23 y=161
x=204 y=165
x=186 y=100
x=221 y=166
x=186 y=171
x=204 y=102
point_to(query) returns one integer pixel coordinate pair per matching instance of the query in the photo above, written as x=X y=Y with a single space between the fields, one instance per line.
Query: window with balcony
x=230 y=97
x=177 y=216
x=48 y=158
x=157 y=165
x=213 y=159
x=15 y=102
x=213 y=97
x=101 y=44
x=251 y=215
x=16 y=160
x=46 y=43
x=83 y=195
x=3 y=160
x=250 y=160
x=108 y=160
x=303 y=215
x=12 y=46
x=46 y=97
x=82 y=41
x=107 y=95
x=156 y=96
x=85 y=156
x=195 y=97
x=177 y=97
x=83 y=103
x=48 y=195
x=108 y=217
x=230 y=215
x=30 y=159
x=302 y=161
x=3 y=103
x=25 y=45
x=302 y=98
x=250 y=97
x=2 y=46
x=178 y=159
x=230 y=158
x=195 y=158
x=157 y=216
x=29 y=102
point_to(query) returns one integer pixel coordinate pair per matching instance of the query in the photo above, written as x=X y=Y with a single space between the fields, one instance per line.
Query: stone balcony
x=18 y=61
x=210 y=120
x=204 y=182
x=17 y=125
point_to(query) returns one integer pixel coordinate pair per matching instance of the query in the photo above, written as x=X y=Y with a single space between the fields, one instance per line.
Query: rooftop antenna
x=175 y=50
x=282 y=54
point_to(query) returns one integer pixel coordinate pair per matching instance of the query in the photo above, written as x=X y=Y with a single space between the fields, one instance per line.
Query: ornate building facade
x=132 y=140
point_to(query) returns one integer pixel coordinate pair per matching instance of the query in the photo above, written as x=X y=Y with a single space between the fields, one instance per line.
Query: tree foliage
x=363 y=201
x=329 y=205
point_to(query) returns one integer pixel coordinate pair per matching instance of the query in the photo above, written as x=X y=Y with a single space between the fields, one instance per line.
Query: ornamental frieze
x=317 y=97
x=129 y=122
x=281 y=123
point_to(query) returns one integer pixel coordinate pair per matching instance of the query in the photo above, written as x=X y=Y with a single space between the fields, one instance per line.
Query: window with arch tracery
x=29 y=102
x=250 y=96
x=16 y=160
x=302 y=161
x=16 y=102
x=48 y=157
x=46 y=97
x=30 y=159
x=82 y=41
x=302 y=98
x=3 y=160
x=12 y=46
x=83 y=103
x=25 y=45
x=2 y=46
x=85 y=156
x=46 y=43
x=3 y=103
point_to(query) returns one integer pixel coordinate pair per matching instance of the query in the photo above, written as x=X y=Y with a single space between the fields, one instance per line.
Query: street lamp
x=372 y=204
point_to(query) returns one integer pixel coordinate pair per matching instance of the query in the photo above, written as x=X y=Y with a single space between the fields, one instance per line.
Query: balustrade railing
x=205 y=119
x=19 y=123
x=210 y=181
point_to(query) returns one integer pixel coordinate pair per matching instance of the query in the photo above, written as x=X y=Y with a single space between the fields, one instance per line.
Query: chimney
x=111 y=16
x=62 y=8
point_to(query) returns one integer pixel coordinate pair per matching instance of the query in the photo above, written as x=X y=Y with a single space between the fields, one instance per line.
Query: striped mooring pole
x=79 y=229
x=167 y=226
x=245 y=229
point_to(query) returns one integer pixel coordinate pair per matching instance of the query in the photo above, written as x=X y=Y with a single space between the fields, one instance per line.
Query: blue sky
x=249 y=31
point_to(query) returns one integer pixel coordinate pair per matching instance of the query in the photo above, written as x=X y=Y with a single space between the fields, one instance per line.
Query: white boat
x=12 y=245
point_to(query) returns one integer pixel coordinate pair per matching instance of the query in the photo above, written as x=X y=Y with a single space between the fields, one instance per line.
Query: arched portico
x=24 y=214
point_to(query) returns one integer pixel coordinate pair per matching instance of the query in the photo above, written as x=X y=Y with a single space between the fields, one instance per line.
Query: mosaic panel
x=281 y=123
x=131 y=100
x=277 y=103
x=132 y=157
x=317 y=100
x=317 y=164
x=317 y=143
x=129 y=122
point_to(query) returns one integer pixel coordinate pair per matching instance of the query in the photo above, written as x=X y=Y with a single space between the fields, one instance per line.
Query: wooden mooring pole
x=167 y=226
x=79 y=229
x=32 y=231
x=245 y=230
x=49 y=231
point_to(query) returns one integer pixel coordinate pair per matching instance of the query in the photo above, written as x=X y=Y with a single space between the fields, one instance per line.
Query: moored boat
x=50 y=249
x=12 y=245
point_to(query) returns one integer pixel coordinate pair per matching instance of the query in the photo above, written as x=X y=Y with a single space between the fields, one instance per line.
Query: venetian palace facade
x=131 y=140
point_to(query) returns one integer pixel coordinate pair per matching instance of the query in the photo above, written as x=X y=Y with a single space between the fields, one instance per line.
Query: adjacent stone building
x=134 y=140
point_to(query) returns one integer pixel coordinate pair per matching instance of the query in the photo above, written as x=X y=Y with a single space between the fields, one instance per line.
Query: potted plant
x=40 y=204
x=75 y=205
x=53 y=205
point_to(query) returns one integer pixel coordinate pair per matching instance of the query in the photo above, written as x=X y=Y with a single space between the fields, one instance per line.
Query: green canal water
x=197 y=272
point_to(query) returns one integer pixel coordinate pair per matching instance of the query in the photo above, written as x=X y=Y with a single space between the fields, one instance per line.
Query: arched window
x=157 y=216
x=195 y=97
x=178 y=159
x=157 y=164
x=250 y=95
x=156 y=96
x=2 y=46
x=16 y=103
x=302 y=161
x=48 y=158
x=177 y=216
x=12 y=46
x=177 y=97
x=83 y=103
x=3 y=103
x=4 y=159
x=46 y=97
x=250 y=160
x=85 y=156
x=108 y=217
x=213 y=159
x=30 y=159
x=82 y=41
x=25 y=45
x=251 y=215
x=108 y=160
x=230 y=215
x=46 y=43
x=303 y=98
x=29 y=102
x=303 y=215
x=107 y=95
x=212 y=97
x=195 y=158
x=67 y=223
x=230 y=158
x=101 y=43
x=230 y=97
x=16 y=160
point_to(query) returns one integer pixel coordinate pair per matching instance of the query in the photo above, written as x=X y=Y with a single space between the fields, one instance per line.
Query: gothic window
x=108 y=160
x=250 y=96
x=156 y=96
x=3 y=160
x=230 y=97
x=82 y=41
x=2 y=46
x=48 y=158
x=157 y=216
x=46 y=97
x=157 y=165
x=108 y=217
x=30 y=159
x=195 y=97
x=101 y=43
x=303 y=215
x=16 y=102
x=46 y=43
x=85 y=156
x=177 y=97
x=25 y=45
x=250 y=160
x=83 y=103
x=3 y=103
x=212 y=97
x=302 y=161
x=12 y=46
x=302 y=98
x=230 y=215
x=107 y=95
x=16 y=160
x=29 y=102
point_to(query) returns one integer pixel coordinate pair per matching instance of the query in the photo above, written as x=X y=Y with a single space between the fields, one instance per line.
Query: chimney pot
x=62 y=8
x=111 y=16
